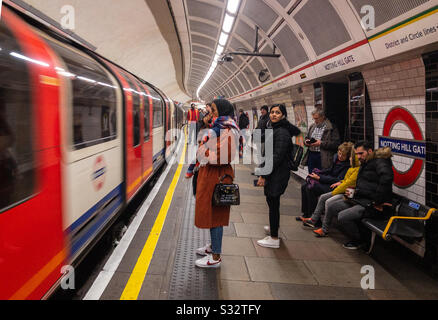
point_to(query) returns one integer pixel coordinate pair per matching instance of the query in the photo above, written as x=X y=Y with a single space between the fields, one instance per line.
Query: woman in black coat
x=276 y=182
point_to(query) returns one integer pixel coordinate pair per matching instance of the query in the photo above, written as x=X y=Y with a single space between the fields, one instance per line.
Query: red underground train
x=79 y=137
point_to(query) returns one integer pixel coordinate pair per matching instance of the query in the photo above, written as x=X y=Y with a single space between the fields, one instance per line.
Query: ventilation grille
x=388 y=9
x=204 y=41
x=244 y=82
x=203 y=50
x=256 y=65
x=284 y=3
x=274 y=64
x=323 y=36
x=246 y=32
x=238 y=85
x=204 y=10
x=290 y=47
x=260 y=13
x=204 y=28
x=251 y=77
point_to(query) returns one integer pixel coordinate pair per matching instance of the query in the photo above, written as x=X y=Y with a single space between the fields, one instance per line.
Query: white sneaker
x=208 y=262
x=268 y=242
x=206 y=250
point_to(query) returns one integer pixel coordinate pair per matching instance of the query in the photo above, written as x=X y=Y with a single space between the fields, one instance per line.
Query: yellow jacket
x=349 y=179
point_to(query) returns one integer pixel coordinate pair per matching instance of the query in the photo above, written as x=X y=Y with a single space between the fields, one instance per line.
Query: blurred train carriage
x=79 y=137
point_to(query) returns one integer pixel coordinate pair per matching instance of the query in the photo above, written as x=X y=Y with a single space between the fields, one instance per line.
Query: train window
x=17 y=161
x=135 y=111
x=94 y=98
x=146 y=110
x=158 y=108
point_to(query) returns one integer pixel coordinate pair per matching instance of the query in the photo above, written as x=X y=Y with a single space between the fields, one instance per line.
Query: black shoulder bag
x=226 y=194
x=295 y=157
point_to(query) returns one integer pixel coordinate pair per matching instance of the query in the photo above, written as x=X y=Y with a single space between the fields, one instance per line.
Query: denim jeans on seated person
x=323 y=201
x=216 y=235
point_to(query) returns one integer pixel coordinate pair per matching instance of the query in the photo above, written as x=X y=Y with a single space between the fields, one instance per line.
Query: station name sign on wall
x=404 y=147
x=412 y=148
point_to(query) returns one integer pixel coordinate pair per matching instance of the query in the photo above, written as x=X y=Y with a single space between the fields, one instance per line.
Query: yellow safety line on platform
x=135 y=282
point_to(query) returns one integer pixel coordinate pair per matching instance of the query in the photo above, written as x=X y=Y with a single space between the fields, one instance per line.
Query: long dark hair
x=224 y=108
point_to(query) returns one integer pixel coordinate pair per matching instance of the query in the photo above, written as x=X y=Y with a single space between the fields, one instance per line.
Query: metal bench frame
x=387 y=236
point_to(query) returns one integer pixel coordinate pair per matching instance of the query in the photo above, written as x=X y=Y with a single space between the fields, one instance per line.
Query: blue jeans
x=216 y=235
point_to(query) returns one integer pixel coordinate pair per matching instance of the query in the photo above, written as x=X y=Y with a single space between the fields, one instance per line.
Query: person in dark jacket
x=276 y=182
x=263 y=122
x=243 y=120
x=243 y=126
x=373 y=190
x=311 y=190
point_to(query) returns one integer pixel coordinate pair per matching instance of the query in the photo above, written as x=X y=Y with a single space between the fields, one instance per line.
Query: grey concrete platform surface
x=304 y=267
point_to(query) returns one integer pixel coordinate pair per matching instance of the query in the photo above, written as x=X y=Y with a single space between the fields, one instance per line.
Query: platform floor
x=305 y=267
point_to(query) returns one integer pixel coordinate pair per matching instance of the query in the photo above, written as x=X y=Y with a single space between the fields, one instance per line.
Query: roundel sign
x=99 y=173
x=411 y=148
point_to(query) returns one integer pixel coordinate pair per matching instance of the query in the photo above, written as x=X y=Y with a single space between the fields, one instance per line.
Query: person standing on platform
x=276 y=182
x=223 y=139
x=323 y=140
x=261 y=126
x=192 y=120
x=243 y=126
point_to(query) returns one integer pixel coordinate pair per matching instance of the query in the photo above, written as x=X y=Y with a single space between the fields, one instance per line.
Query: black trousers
x=274 y=214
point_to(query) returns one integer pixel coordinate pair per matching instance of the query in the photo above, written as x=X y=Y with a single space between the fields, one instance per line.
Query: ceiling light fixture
x=228 y=23
x=223 y=39
x=233 y=6
x=219 y=50
x=227 y=26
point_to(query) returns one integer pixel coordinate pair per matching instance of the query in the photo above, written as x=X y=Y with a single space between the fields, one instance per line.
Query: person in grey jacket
x=326 y=140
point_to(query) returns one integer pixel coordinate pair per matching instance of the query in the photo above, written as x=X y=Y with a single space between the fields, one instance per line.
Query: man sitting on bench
x=373 y=189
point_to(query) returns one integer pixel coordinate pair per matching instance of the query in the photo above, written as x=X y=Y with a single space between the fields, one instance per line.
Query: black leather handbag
x=295 y=157
x=226 y=194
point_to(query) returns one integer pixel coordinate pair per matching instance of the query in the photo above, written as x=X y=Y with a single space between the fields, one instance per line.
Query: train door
x=32 y=247
x=158 y=128
x=92 y=166
x=134 y=170
x=171 y=134
x=167 y=139
x=147 y=139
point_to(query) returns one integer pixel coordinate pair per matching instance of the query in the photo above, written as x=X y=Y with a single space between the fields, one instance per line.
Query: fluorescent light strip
x=219 y=50
x=19 y=56
x=233 y=6
x=229 y=20
x=223 y=39
x=228 y=23
x=86 y=79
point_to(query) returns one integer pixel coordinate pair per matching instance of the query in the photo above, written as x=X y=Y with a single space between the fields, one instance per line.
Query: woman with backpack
x=276 y=182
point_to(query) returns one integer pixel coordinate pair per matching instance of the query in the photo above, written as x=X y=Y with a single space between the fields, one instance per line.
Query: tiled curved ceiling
x=293 y=26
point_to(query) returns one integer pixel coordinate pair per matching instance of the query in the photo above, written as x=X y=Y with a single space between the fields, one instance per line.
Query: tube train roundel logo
x=410 y=148
x=99 y=173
